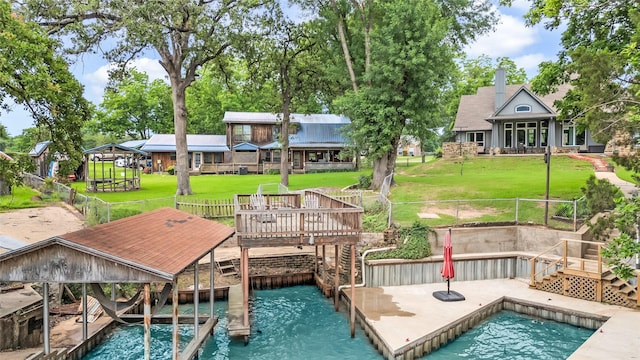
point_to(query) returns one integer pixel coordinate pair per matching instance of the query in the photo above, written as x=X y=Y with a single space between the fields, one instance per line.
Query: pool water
x=510 y=335
x=290 y=323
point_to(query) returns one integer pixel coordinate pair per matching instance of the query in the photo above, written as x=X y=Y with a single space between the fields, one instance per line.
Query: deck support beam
x=196 y=301
x=212 y=308
x=85 y=308
x=336 y=279
x=45 y=317
x=147 y=321
x=352 y=315
x=245 y=286
x=175 y=334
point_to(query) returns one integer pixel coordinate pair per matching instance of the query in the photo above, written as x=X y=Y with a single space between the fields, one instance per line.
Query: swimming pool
x=289 y=323
x=510 y=335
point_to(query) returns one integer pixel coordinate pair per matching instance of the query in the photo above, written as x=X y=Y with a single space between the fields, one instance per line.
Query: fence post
x=517 y=209
x=575 y=215
x=175 y=202
x=108 y=212
x=390 y=220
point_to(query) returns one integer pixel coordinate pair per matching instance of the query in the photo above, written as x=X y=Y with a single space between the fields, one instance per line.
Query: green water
x=290 y=323
x=509 y=335
x=299 y=323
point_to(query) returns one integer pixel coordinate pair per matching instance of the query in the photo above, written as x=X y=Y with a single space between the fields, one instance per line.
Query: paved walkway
x=603 y=171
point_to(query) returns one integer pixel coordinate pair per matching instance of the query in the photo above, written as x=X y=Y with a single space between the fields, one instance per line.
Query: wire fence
x=555 y=213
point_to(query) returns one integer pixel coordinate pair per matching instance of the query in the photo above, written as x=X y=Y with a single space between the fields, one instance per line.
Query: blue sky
x=527 y=46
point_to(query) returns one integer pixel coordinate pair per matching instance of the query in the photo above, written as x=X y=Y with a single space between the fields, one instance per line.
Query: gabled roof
x=245 y=146
x=134 y=144
x=195 y=142
x=39 y=148
x=474 y=110
x=273 y=118
x=158 y=245
x=114 y=148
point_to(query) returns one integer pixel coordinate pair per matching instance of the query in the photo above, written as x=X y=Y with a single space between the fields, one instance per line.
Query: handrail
x=564 y=260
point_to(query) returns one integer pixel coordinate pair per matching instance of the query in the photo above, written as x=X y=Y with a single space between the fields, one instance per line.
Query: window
x=508 y=135
x=523 y=108
x=242 y=133
x=172 y=156
x=526 y=134
x=208 y=157
x=544 y=133
x=476 y=137
x=571 y=136
x=218 y=158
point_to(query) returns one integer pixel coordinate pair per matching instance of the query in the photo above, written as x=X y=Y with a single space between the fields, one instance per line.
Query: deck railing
x=588 y=267
x=287 y=220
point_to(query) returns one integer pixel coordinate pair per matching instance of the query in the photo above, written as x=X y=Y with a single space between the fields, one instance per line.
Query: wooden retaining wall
x=206 y=208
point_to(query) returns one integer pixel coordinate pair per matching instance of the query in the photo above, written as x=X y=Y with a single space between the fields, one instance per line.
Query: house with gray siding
x=509 y=119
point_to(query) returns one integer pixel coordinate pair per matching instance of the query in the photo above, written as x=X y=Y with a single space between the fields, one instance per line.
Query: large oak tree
x=399 y=57
x=185 y=34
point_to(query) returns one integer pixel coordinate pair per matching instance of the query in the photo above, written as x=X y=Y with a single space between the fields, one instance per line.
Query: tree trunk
x=384 y=165
x=180 y=127
x=345 y=49
x=284 y=133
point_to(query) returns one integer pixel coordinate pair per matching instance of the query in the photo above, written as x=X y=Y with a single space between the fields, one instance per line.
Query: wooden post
x=45 y=317
x=533 y=272
x=564 y=257
x=316 y=259
x=174 y=321
x=336 y=279
x=196 y=301
x=599 y=259
x=324 y=270
x=352 y=318
x=212 y=309
x=147 y=322
x=85 y=331
x=245 y=286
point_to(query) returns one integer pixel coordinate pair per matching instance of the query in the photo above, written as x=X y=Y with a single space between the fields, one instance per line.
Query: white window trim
x=522 y=111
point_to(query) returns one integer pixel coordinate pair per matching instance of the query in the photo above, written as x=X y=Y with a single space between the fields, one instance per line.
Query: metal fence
x=560 y=213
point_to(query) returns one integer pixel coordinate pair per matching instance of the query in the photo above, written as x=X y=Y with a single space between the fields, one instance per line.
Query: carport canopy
x=151 y=247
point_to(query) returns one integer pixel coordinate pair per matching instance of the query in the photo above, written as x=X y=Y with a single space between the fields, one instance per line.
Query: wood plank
x=235 y=314
x=191 y=351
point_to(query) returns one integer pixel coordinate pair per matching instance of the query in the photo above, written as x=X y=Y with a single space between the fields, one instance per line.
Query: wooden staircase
x=591 y=252
x=621 y=287
x=226 y=267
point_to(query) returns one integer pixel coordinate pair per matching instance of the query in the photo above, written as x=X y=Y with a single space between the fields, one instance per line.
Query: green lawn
x=416 y=183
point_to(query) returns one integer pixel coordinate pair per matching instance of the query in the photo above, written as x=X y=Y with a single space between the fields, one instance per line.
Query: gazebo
x=113 y=167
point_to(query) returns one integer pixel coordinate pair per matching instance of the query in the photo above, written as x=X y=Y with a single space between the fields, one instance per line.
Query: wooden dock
x=235 y=325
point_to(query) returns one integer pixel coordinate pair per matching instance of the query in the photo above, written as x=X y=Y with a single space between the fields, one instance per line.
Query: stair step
x=592 y=251
x=223 y=267
x=627 y=290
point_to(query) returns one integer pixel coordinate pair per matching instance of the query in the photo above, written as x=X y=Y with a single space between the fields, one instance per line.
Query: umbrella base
x=448 y=296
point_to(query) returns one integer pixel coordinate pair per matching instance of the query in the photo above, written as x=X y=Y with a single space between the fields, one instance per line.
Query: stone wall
x=457 y=149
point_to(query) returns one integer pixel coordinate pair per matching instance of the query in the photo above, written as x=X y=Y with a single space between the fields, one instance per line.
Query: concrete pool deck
x=404 y=316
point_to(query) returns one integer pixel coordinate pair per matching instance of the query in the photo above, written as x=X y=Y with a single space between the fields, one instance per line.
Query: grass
x=417 y=183
x=484 y=180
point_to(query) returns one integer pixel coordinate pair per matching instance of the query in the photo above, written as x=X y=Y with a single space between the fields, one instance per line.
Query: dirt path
x=35 y=224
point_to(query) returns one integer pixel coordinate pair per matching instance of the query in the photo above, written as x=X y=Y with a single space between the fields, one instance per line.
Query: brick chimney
x=501 y=87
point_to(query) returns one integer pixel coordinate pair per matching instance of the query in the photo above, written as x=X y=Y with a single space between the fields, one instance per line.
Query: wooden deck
x=287 y=220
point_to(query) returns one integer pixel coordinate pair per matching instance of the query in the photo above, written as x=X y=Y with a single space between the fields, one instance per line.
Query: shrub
x=364 y=181
x=438 y=153
x=414 y=244
x=374 y=218
x=171 y=170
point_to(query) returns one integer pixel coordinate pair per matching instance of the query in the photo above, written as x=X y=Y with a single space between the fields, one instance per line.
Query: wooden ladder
x=226 y=267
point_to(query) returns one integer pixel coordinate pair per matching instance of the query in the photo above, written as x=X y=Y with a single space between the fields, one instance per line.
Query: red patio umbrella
x=447 y=271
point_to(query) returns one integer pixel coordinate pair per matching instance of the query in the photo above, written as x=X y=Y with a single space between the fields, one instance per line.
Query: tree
x=186 y=34
x=399 y=65
x=32 y=75
x=134 y=107
x=288 y=53
x=600 y=59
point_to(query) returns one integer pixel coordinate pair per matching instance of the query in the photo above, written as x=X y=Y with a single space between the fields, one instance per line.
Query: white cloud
x=510 y=38
x=521 y=5
x=530 y=62
x=96 y=81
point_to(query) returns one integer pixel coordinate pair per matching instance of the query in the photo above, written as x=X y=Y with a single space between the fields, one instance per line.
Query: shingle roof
x=134 y=144
x=163 y=242
x=195 y=142
x=475 y=109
